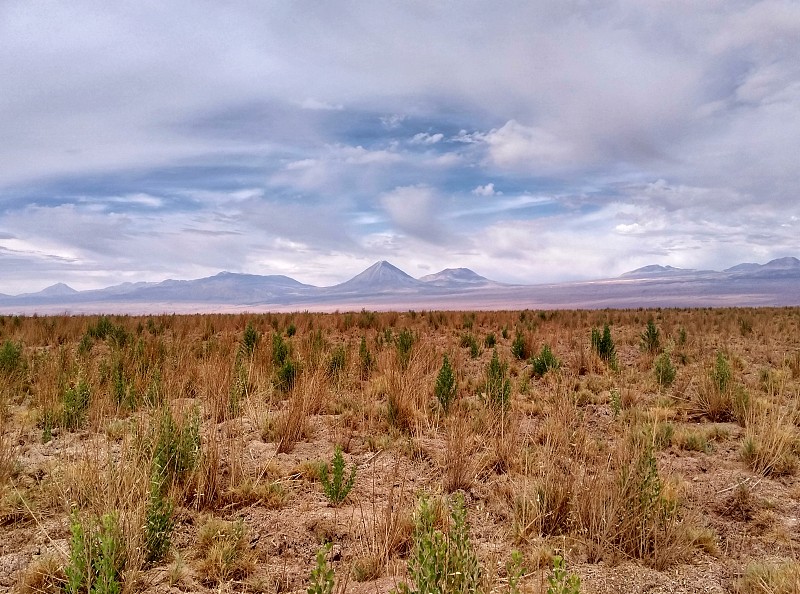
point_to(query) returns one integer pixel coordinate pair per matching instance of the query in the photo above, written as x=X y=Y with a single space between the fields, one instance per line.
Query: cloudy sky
x=530 y=141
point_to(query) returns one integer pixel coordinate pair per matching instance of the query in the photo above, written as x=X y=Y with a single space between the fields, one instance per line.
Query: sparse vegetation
x=219 y=452
x=336 y=483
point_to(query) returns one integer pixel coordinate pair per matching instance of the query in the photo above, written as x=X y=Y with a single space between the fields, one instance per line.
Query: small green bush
x=96 y=558
x=664 y=369
x=75 y=405
x=497 y=386
x=440 y=562
x=334 y=483
x=250 y=340
x=280 y=350
x=286 y=375
x=321 y=579
x=11 y=359
x=175 y=449
x=159 y=521
x=651 y=338
x=721 y=373
x=469 y=341
x=337 y=362
x=404 y=342
x=445 y=388
x=545 y=361
x=519 y=348
x=365 y=359
x=603 y=345
x=560 y=581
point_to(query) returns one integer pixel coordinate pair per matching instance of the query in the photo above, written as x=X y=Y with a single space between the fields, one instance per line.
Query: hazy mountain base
x=561 y=426
x=617 y=293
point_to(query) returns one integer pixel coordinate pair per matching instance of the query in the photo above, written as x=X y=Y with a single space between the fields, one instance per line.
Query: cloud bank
x=530 y=141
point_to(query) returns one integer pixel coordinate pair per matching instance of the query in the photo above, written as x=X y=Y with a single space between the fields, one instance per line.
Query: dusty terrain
x=640 y=483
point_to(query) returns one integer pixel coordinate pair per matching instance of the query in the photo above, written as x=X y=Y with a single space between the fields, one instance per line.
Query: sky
x=531 y=141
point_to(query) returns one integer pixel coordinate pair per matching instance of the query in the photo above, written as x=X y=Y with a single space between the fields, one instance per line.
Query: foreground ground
x=184 y=453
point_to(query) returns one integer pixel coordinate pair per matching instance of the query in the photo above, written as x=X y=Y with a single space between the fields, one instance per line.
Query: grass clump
x=769 y=578
x=335 y=483
x=223 y=547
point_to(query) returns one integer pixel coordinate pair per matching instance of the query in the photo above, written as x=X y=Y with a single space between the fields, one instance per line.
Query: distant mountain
x=778 y=268
x=655 y=270
x=56 y=290
x=381 y=277
x=384 y=286
x=455 y=278
x=225 y=287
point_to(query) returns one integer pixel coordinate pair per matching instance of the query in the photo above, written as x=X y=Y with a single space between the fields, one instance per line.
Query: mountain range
x=384 y=286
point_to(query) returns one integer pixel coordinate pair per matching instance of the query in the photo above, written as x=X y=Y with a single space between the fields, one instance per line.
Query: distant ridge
x=384 y=286
x=455 y=277
x=654 y=270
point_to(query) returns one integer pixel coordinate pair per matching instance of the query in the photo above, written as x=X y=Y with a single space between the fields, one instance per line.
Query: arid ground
x=197 y=453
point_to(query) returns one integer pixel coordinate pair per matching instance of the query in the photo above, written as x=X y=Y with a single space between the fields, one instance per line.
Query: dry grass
x=591 y=462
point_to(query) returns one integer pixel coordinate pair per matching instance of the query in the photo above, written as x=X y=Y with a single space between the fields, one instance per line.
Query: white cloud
x=486 y=190
x=529 y=148
x=425 y=138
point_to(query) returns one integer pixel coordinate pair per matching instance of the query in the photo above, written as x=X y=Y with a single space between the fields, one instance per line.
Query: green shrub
x=11 y=359
x=445 y=388
x=664 y=369
x=497 y=386
x=651 y=338
x=603 y=345
x=321 y=579
x=76 y=403
x=545 y=361
x=176 y=449
x=158 y=520
x=334 y=483
x=721 y=373
x=280 y=350
x=443 y=563
x=291 y=330
x=250 y=340
x=560 y=581
x=96 y=557
x=404 y=342
x=469 y=341
x=519 y=348
x=286 y=375
x=337 y=362
x=490 y=341
x=365 y=359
